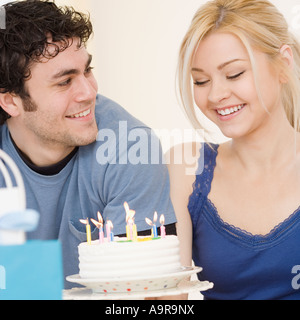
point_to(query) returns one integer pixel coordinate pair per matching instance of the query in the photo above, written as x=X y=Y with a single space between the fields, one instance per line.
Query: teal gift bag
x=32 y=271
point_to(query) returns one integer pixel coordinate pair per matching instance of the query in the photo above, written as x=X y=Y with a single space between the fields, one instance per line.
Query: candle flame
x=99 y=223
x=154 y=219
x=99 y=217
x=96 y=223
x=149 y=222
x=162 y=219
x=129 y=213
x=84 y=221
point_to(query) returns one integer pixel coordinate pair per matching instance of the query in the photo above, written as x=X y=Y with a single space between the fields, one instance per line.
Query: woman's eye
x=200 y=83
x=235 y=76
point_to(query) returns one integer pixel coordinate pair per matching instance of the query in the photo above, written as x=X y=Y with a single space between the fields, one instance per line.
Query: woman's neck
x=270 y=147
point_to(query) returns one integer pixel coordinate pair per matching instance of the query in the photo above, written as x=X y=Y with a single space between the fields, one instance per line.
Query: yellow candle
x=128 y=232
x=88 y=234
x=134 y=233
x=88 y=230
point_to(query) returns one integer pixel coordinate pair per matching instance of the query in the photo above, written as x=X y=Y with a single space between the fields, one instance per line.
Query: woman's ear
x=10 y=104
x=287 y=56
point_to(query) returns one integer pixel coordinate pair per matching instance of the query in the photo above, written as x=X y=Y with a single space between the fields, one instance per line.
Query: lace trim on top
x=255 y=239
x=202 y=184
x=200 y=204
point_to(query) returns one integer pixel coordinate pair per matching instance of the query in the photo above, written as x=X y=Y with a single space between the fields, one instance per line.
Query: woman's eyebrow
x=221 y=66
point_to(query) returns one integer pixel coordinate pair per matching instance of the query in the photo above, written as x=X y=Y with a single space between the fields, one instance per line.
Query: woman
x=240 y=218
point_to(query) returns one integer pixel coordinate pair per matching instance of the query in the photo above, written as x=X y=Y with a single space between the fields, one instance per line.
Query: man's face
x=63 y=93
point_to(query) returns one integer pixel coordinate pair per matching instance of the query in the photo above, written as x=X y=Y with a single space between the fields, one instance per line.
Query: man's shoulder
x=116 y=126
x=109 y=114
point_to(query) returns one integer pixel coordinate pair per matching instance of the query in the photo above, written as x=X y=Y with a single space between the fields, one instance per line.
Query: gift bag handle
x=19 y=181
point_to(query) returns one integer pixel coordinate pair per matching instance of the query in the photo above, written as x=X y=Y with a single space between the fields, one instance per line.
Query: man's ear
x=10 y=103
x=287 y=56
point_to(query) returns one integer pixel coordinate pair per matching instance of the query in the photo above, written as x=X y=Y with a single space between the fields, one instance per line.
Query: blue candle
x=111 y=236
x=154 y=228
x=154 y=225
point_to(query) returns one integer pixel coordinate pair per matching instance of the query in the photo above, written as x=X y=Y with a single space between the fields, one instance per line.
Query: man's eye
x=65 y=83
x=89 y=69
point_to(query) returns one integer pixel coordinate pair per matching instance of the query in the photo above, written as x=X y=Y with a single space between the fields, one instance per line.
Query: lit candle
x=99 y=225
x=150 y=224
x=134 y=233
x=101 y=234
x=131 y=231
x=88 y=230
x=127 y=210
x=162 y=227
x=154 y=225
x=128 y=231
x=109 y=227
x=108 y=230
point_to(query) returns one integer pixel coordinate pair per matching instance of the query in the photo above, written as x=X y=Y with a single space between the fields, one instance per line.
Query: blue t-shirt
x=124 y=164
x=242 y=265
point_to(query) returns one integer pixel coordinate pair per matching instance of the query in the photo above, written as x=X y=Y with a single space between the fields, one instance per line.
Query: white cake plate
x=135 y=284
x=184 y=287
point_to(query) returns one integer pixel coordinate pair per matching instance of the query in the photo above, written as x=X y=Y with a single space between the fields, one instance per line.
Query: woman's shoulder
x=183 y=162
x=185 y=155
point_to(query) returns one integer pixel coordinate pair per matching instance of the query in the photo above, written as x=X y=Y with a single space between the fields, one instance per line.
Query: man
x=71 y=144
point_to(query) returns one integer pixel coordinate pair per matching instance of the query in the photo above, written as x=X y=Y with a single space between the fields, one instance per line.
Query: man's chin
x=85 y=141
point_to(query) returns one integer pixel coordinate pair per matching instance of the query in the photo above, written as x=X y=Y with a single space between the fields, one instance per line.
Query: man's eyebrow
x=221 y=66
x=67 y=72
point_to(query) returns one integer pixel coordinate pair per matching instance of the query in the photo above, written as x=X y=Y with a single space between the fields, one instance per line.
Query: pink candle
x=162 y=227
x=101 y=235
x=109 y=234
x=99 y=225
x=163 y=231
x=108 y=231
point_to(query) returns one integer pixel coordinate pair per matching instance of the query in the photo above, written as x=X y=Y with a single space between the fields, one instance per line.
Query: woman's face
x=224 y=85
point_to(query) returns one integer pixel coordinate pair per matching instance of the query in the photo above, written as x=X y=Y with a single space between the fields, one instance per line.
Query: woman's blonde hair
x=258 y=24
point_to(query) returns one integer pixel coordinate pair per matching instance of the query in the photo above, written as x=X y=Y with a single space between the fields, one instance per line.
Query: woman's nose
x=219 y=91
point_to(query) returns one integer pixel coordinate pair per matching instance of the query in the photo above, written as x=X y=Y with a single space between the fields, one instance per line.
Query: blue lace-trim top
x=242 y=265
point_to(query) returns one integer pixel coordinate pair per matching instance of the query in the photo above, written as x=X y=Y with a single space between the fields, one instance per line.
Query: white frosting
x=127 y=259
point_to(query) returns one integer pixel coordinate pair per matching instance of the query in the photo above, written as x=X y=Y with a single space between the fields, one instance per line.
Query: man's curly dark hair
x=32 y=27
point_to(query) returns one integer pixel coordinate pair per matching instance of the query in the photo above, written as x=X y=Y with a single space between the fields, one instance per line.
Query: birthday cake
x=122 y=258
